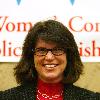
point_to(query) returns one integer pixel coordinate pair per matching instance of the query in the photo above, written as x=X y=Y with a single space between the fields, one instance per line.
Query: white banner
x=80 y=16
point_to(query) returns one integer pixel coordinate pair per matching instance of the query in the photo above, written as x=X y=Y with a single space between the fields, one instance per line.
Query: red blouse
x=49 y=91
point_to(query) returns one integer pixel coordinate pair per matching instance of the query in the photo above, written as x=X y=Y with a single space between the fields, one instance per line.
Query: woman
x=49 y=66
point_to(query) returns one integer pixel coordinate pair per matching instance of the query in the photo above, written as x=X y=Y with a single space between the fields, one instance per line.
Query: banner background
x=81 y=17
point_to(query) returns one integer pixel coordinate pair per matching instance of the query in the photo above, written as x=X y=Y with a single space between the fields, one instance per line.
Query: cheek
x=63 y=59
x=37 y=61
x=64 y=62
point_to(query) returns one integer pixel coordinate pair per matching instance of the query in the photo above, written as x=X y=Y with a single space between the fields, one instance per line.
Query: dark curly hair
x=50 y=31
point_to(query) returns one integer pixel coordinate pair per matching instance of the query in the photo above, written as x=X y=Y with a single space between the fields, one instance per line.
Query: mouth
x=50 y=66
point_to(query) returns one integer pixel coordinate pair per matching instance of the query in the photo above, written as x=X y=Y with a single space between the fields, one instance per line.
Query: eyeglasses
x=44 y=51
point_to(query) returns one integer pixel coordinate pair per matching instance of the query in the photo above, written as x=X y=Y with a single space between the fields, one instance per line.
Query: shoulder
x=81 y=93
x=17 y=93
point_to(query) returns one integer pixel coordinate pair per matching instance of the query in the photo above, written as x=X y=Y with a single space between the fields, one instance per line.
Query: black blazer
x=28 y=92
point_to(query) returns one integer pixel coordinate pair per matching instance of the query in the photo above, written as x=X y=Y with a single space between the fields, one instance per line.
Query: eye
x=58 y=51
x=40 y=51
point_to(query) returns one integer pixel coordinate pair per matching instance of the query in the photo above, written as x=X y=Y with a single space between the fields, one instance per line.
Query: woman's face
x=49 y=67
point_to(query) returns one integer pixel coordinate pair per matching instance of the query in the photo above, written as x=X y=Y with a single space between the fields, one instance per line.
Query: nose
x=49 y=56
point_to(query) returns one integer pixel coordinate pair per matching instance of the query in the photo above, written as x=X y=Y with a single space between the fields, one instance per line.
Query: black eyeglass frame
x=44 y=51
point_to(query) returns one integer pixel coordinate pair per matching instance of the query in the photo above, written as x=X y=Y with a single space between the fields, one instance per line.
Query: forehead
x=45 y=44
